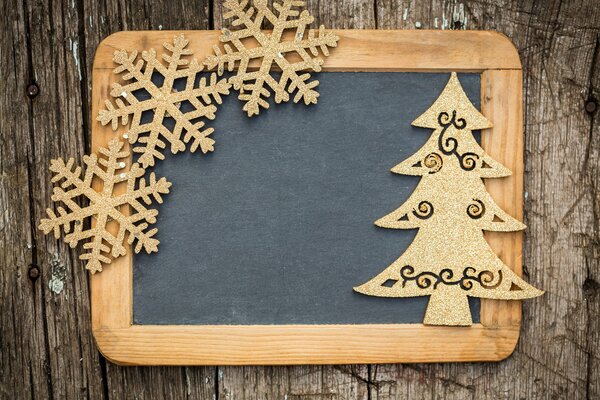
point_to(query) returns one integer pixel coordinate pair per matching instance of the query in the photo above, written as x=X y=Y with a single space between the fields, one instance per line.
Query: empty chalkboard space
x=276 y=226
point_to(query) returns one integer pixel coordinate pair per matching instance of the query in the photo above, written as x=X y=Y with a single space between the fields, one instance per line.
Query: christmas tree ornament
x=141 y=93
x=449 y=258
x=291 y=54
x=119 y=206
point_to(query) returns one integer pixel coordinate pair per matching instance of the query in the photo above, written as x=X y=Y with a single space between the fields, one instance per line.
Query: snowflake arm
x=70 y=178
x=127 y=214
x=140 y=80
x=253 y=86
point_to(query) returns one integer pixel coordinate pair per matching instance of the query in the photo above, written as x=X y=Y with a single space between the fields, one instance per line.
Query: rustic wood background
x=46 y=349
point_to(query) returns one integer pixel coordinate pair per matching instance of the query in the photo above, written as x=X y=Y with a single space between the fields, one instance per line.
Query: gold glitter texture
x=128 y=210
x=449 y=258
x=164 y=100
x=271 y=49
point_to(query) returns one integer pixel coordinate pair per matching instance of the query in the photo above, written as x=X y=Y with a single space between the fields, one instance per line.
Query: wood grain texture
x=23 y=351
x=500 y=90
x=455 y=50
x=102 y=19
x=558 y=350
x=557 y=355
x=48 y=316
x=302 y=344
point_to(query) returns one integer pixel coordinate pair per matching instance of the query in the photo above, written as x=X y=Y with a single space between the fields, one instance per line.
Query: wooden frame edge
x=497 y=335
x=501 y=102
x=477 y=50
x=296 y=344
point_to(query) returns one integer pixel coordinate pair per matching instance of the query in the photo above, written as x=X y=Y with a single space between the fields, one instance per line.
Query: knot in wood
x=34 y=272
x=591 y=106
x=33 y=90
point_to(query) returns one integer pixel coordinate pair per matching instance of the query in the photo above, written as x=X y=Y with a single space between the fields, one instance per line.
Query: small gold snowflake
x=128 y=209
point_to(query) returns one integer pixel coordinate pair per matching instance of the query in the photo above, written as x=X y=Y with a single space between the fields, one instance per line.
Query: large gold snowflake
x=126 y=209
x=289 y=53
x=164 y=100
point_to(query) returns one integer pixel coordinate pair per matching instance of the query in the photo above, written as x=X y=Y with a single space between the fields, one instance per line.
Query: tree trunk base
x=448 y=307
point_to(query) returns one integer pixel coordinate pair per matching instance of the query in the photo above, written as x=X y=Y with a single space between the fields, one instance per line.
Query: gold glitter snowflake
x=111 y=203
x=289 y=53
x=164 y=100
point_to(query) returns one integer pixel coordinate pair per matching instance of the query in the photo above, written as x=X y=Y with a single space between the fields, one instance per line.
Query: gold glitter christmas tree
x=164 y=100
x=290 y=55
x=449 y=258
x=112 y=210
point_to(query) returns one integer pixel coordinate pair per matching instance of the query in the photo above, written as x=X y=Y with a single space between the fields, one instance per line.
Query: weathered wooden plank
x=347 y=14
x=303 y=382
x=102 y=19
x=590 y=242
x=159 y=382
x=293 y=383
x=23 y=355
x=45 y=344
x=57 y=358
x=558 y=349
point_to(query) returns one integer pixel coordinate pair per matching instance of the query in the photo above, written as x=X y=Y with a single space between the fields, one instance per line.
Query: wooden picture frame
x=493 y=339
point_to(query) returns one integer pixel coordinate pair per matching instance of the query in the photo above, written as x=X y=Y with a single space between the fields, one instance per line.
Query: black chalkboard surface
x=276 y=226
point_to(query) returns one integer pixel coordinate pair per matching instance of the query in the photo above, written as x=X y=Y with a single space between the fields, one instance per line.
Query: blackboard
x=276 y=226
x=263 y=240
